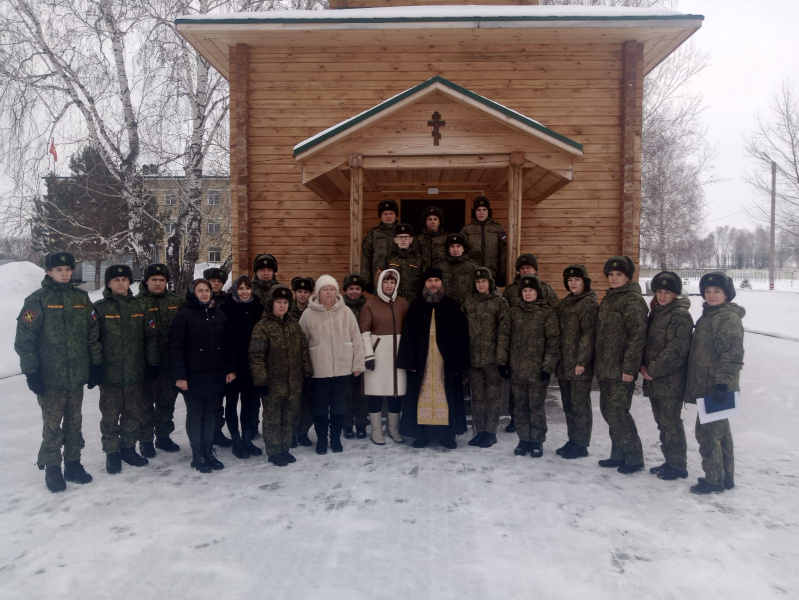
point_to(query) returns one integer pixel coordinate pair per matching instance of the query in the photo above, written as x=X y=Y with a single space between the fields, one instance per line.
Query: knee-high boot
x=336 y=425
x=392 y=427
x=320 y=423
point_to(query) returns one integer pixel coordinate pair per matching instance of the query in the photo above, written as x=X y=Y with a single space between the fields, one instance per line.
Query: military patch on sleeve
x=94 y=316
x=151 y=324
x=504 y=238
x=29 y=316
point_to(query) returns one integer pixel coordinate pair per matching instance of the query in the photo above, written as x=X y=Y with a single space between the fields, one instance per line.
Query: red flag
x=52 y=151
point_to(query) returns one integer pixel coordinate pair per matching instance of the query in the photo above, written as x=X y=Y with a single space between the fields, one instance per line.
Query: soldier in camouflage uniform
x=264 y=268
x=620 y=339
x=59 y=351
x=407 y=262
x=279 y=360
x=159 y=394
x=302 y=288
x=457 y=270
x=217 y=277
x=378 y=243
x=357 y=405
x=486 y=310
x=432 y=239
x=668 y=341
x=486 y=240
x=130 y=355
x=531 y=339
x=714 y=369
x=577 y=316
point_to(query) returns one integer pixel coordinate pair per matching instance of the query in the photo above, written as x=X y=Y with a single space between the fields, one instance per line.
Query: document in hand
x=709 y=410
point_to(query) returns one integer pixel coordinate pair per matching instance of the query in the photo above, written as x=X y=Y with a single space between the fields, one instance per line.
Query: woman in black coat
x=243 y=311
x=200 y=353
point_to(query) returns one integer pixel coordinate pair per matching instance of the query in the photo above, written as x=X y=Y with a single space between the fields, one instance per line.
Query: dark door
x=454 y=212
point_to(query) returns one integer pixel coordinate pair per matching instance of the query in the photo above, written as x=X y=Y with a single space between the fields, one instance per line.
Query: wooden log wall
x=578 y=91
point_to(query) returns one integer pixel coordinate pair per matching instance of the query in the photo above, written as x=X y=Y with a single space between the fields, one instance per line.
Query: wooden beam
x=631 y=148
x=466 y=161
x=514 y=247
x=239 y=160
x=356 y=211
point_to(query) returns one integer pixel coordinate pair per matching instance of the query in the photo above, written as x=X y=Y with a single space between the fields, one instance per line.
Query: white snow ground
x=394 y=522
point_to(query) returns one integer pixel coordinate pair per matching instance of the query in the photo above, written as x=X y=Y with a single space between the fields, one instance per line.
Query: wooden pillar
x=239 y=161
x=632 y=102
x=356 y=211
x=514 y=247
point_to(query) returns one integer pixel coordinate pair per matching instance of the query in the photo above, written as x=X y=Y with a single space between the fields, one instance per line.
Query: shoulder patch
x=29 y=316
x=151 y=324
x=94 y=315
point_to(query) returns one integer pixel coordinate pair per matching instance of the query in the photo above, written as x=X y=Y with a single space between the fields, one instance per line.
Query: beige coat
x=334 y=340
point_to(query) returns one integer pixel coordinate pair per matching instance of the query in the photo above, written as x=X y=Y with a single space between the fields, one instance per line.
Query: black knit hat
x=156 y=269
x=303 y=283
x=215 y=273
x=455 y=238
x=432 y=210
x=387 y=205
x=526 y=259
x=576 y=270
x=432 y=272
x=264 y=261
x=667 y=280
x=623 y=264
x=59 y=259
x=717 y=279
x=481 y=201
x=118 y=271
x=529 y=281
x=353 y=279
x=403 y=229
x=282 y=292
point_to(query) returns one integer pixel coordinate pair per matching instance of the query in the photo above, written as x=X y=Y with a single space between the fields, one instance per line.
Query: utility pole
x=773 y=203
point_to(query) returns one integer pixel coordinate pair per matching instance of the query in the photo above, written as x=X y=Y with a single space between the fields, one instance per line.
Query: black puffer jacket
x=200 y=343
x=242 y=317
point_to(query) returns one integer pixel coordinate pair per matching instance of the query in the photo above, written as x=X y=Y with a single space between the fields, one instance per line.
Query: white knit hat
x=325 y=280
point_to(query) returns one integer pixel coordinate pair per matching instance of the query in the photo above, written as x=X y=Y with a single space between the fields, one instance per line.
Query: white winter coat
x=334 y=339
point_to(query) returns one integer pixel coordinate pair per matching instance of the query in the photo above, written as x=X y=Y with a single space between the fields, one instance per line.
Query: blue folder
x=711 y=406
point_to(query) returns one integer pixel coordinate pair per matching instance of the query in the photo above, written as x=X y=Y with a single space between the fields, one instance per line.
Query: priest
x=434 y=350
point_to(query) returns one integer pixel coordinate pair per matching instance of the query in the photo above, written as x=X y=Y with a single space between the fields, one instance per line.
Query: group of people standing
x=435 y=331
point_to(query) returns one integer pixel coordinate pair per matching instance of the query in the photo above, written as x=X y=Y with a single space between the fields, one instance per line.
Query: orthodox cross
x=435 y=124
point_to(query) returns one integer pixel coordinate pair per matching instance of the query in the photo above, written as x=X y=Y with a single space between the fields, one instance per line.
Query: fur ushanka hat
x=576 y=270
x=59 y=259
x=667 y=280
x=623 y=264
x=719 y=280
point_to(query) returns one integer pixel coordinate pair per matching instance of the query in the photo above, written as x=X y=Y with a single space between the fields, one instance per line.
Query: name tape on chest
x=136 y=315
x=55 y=306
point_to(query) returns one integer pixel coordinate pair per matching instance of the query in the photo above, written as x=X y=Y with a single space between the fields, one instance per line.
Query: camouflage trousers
x=122 y=414
x=61 y=425
x=530 y=412
x=615 y=400
x=672 y=432
x=575 y=396
x=715 y=448
x=356 y=410
x=305 y=410
x=280 y=417
x=486 y=392
x=158 y=404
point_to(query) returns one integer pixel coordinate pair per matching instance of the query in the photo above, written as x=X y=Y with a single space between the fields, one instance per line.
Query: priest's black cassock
x=452 y=338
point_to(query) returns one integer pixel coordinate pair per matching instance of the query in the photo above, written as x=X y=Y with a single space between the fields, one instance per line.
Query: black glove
x=152 y=372
x=504 y=371
x=720 y=393
x=36 y=384
x=370 y=364
x=544 y=376
x=95 y=376
x=369 y=288
x=263 y=390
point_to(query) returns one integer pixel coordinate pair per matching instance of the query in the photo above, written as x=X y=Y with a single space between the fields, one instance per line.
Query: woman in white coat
x=381 y=325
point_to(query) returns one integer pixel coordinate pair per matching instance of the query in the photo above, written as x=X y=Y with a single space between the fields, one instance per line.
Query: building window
x=214 y=254
x=214 y=197
x=214 y=228
x=171 y=198
x=169 y=227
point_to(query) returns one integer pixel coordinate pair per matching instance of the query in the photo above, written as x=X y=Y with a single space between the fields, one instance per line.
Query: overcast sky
x=753 y=47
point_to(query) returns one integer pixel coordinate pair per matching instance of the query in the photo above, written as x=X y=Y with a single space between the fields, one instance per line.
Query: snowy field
x=394 y=522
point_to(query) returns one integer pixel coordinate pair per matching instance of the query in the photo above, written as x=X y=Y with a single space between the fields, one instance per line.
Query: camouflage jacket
x=717 y=351
x=511 y=293
x=409 y=265
x=486 y=245
x=531 y=338
x=432 y=248
x=377 y=245
x=279 y=356
x=128 y=337
x=577 y=316
x=295 y=312
x=621 y=332
x=58 y=335
x=163 y=308
x=668 y=342
x=355 y=306
x=263 y=289
x=457 y=272
x=485 y=314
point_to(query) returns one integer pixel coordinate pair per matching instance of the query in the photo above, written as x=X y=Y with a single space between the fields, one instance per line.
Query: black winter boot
x=320 y=424
x=475 y=441
x=360 y=431
x=565 y=448
x=304 y=440
x=669 y=473
x=658 y=469
x=489 y=439
x=198 y=461
x=238 y=448
x=249 y=447
x=336 y=424
x=511 y=427
x=54 y=479
x=577 y=451
x=222 y=441
x=448 y=443
x=626 y=469
x=74 y=471
x=278 y=460
x=522 y=448
x=147 y=449
x=703 y=487
x=289 y=457
x=130 y=456
x=294 y=441
x=113 y=463
x=166 y=444
x=211 y=459
x=610 y=463
x=419 y=443
x=349 y=433
x=536 y=449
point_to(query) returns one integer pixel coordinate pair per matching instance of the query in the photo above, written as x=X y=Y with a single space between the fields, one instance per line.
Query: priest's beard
x=432 y=297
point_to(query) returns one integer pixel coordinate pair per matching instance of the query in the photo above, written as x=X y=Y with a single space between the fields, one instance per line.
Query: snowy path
x=395 y=522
